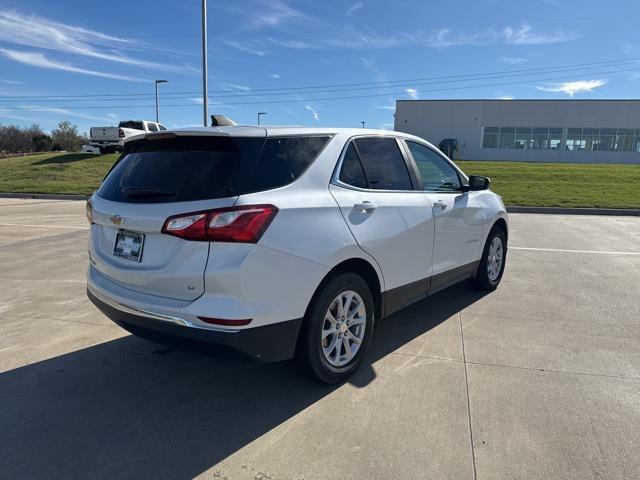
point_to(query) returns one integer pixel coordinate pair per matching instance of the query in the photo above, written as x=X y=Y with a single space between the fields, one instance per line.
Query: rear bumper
x=107 y=143
x=268 y=343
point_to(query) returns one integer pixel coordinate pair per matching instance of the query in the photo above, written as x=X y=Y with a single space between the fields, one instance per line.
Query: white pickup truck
x=111 y=139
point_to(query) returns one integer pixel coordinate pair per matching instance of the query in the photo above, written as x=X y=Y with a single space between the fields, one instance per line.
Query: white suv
x=285 y=242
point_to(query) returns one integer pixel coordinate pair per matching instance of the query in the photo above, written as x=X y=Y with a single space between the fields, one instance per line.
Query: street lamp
x=362 y=124
x=205 y=93
x=259 y=114
x=157 y=104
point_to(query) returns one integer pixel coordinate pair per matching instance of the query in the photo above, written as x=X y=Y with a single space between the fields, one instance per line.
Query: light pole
x=362 y=124
x=158 y=104
x=260 y=114
x=205 y=95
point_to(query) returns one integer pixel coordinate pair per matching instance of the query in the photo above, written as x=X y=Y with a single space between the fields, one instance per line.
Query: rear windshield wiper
x=144 y=192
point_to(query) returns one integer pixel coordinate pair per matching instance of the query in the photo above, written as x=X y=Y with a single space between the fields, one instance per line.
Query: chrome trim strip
x=154 y=315
x=137 y=311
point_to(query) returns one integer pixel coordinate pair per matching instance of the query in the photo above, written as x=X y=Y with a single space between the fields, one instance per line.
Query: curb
x=544 y=210
x=45 y=196
x=576 y=211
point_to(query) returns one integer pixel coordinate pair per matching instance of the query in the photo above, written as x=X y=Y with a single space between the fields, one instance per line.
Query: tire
x=102 y=150
x=314 y=353
x=489 y=273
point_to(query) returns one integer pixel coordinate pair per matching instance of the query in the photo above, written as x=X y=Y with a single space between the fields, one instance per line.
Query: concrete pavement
x=540 y=379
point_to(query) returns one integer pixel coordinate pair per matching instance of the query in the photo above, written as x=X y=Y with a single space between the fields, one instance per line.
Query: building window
x=507 y=137
x=490 y=137
x=625 y=140
x=556 y=138
x=523 y=138
x=573 y=140
x=540 y=139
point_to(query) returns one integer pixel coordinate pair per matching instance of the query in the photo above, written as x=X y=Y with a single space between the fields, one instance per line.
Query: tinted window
x=351 y=172
x=383 y=164
x=282 y=160
x=161 y=127
x=152 y=127
x=179 y=169
x=197 y=168
x=436 y=173
x=131 y=124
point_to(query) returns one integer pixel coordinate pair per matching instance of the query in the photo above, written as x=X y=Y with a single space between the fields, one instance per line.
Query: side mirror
x=477 y=182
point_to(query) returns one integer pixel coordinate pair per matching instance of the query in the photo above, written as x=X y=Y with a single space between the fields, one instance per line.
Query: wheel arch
x=360 y=267
x=501 y=223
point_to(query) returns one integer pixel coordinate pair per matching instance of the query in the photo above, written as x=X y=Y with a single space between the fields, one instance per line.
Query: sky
x=329 y=63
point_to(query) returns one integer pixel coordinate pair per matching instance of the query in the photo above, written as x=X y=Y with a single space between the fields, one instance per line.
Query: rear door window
x=152 y=127
x=383 y=163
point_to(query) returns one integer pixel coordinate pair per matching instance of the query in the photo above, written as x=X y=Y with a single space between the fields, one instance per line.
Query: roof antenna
x=221 y=121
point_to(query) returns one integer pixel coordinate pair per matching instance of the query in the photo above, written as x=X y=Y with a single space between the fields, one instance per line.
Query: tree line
x=16 y=139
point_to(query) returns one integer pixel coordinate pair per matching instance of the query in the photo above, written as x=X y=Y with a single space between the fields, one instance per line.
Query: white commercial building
x=589 y=131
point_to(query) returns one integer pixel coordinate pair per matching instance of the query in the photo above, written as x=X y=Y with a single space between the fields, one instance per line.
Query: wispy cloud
x=330 y=38
x=525 y=35
x=313 y=111
x=412 y=92
x=353 y=8
x=65 y=112
x=571 y=88
x=247 y=47
x=553 y=2
x=275 y=76
x=12 y=82
x=506 y=97
x=38 y=32
x=514 y=60
x=236 y=87
x=273 y=13
x=39 y=60
x=370 y=64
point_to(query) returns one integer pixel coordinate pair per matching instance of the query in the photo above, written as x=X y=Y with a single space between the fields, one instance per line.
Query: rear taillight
x=244 y=224
x=120 y=133
x=89 y=212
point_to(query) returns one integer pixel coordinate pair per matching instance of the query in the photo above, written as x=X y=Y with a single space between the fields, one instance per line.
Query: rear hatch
x=160 y=176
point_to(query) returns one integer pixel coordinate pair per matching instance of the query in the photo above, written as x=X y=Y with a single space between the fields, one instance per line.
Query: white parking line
x=41 y=226
x=572 y=251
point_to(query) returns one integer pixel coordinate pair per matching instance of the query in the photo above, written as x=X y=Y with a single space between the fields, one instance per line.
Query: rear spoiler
x=222 y=121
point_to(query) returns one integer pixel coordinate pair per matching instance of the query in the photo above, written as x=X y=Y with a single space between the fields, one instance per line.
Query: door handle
x=365 y=206
x=439 y=204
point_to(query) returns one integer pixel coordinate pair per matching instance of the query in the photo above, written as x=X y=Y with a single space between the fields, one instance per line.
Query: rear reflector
x=244 y=224
x=225 y=322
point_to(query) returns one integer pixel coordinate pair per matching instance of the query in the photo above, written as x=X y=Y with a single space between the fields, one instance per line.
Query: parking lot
x=540 y=379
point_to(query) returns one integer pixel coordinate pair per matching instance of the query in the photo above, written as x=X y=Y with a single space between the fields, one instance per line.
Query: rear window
x=183 y=169
x=133 y=125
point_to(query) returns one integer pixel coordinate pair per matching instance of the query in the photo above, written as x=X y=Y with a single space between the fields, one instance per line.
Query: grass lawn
x=54 y=173
x=526 y=184
x=561 y=184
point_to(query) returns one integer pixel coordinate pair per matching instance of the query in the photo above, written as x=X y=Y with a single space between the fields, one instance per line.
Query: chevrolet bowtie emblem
x=117 y=220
